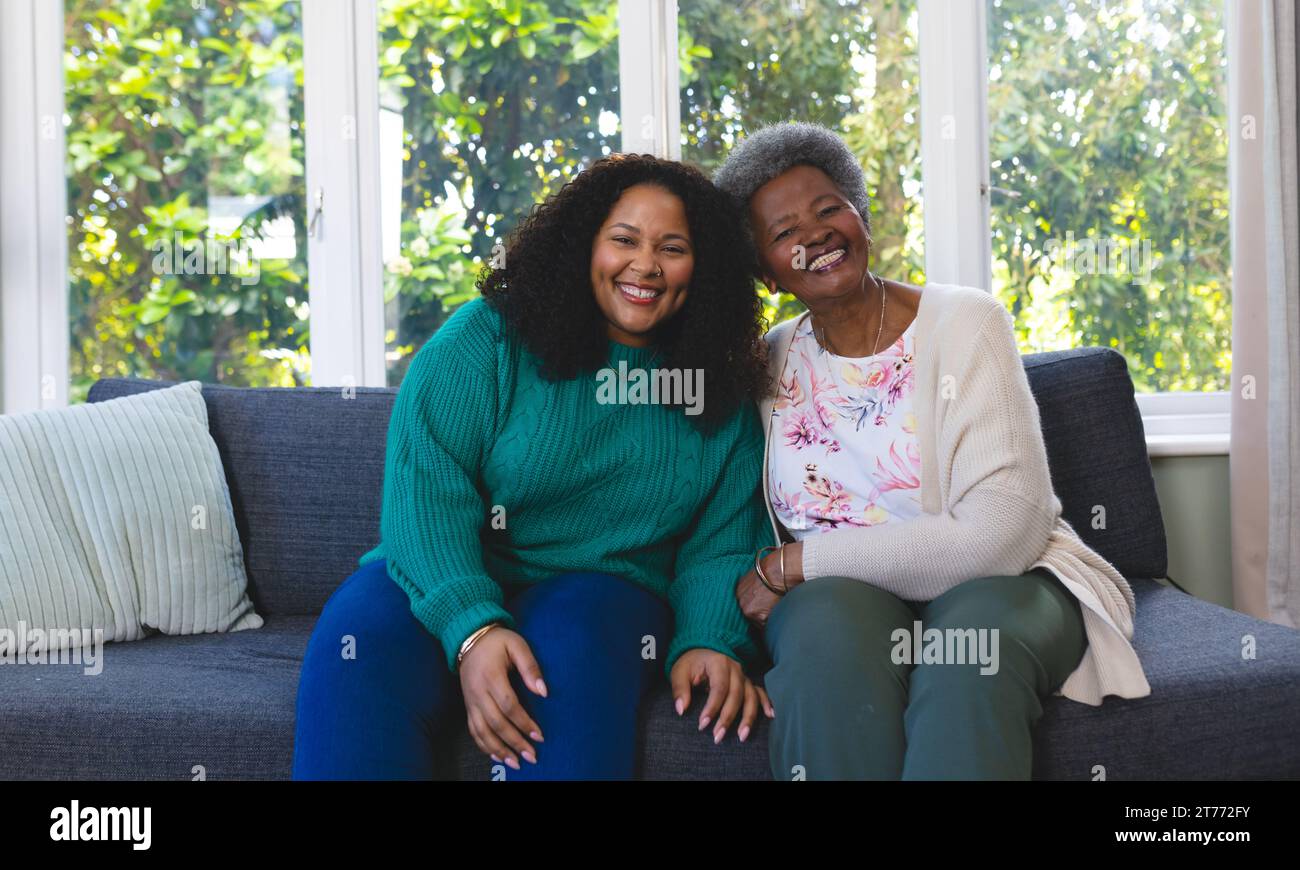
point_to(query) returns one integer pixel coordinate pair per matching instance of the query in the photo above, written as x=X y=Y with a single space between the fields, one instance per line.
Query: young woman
x=552 y=536
x=906 y=471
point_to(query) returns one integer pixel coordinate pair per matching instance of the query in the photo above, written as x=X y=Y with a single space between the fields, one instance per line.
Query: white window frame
x=954 y=142
x=344 y=263
x=344 y=255
x=33 y=208
x=650 y=99
x=1186 y=424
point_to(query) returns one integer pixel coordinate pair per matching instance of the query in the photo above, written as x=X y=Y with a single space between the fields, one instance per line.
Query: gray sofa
x=305 y=468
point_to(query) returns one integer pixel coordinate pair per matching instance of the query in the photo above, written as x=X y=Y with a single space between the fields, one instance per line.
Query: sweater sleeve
x=718 y=549
x=442 y=421
x=1001 y=506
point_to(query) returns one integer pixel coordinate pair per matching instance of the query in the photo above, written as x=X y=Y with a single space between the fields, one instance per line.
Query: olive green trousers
x=862 y=691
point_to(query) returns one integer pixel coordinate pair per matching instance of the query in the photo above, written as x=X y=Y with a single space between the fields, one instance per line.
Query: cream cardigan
x=986 y=492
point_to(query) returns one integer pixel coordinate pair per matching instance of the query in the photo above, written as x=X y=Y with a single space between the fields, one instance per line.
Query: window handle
x=316 y=213
x=986 y=189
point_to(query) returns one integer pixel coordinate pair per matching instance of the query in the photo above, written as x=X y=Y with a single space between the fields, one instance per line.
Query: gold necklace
x=826 y=346
x=825 y=342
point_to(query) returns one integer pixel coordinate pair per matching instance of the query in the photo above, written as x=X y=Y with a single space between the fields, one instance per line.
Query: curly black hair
x=544 y=291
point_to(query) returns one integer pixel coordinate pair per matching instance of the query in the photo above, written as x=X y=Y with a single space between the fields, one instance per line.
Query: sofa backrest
x=1097 y=452
x=306 y=468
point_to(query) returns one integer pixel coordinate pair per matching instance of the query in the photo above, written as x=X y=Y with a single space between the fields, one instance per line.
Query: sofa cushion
x=1211 y=715
x=159 y=707
x=117 y=521
x=226 y=701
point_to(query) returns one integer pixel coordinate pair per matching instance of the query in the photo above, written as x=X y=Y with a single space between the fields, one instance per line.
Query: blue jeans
x=378 y=713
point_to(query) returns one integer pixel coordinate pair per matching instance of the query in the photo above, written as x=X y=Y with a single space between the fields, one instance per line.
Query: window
x=1110 y=182
x=851 y=66
x=485 y=109
x=185 y=180
x=1085 y=176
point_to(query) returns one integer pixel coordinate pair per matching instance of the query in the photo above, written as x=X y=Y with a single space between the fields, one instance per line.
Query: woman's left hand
x=755 y=599
x=730 y=690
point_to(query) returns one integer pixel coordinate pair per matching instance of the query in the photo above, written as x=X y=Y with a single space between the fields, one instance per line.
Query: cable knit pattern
x=986 y=490
x=632 y=490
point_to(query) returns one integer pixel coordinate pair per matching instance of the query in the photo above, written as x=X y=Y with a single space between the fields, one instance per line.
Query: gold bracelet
x=471 y=640
x=758 y=569
x=785 y=587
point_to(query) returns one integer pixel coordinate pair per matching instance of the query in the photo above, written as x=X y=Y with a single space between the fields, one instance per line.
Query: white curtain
x=1265 y=451
x=1282 y=259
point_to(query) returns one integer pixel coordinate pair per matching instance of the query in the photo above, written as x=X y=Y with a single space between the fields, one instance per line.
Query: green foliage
x=170 y=106
x=1108 y=119
x=173 y=109
x=851 y=66
x=501 y=104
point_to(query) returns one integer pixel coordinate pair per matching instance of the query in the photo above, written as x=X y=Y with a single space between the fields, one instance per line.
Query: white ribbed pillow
x=116 y=516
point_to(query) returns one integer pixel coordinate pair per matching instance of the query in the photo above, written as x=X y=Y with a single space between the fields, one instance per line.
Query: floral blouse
x=844 y=446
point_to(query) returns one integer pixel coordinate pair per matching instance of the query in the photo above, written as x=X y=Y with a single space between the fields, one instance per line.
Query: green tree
x=850 y=66
x=500 y=102
x=1107 y=118
x=171 y=106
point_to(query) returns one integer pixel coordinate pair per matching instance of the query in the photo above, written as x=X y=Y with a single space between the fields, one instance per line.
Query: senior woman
x=923 y=595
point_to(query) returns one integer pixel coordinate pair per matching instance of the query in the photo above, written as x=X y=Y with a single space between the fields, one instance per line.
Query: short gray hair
x=771 y=150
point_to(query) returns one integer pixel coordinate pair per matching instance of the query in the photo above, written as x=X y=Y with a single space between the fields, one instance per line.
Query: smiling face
x=802 y=206
x=641 y=262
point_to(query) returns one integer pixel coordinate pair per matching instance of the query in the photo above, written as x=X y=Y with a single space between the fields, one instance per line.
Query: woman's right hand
x=497 y=719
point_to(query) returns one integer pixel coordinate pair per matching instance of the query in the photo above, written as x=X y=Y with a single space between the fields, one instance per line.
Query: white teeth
x=826 y=259
x=638 y=292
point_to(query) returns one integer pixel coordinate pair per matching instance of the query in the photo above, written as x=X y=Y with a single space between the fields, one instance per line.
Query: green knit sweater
x=494 y=475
